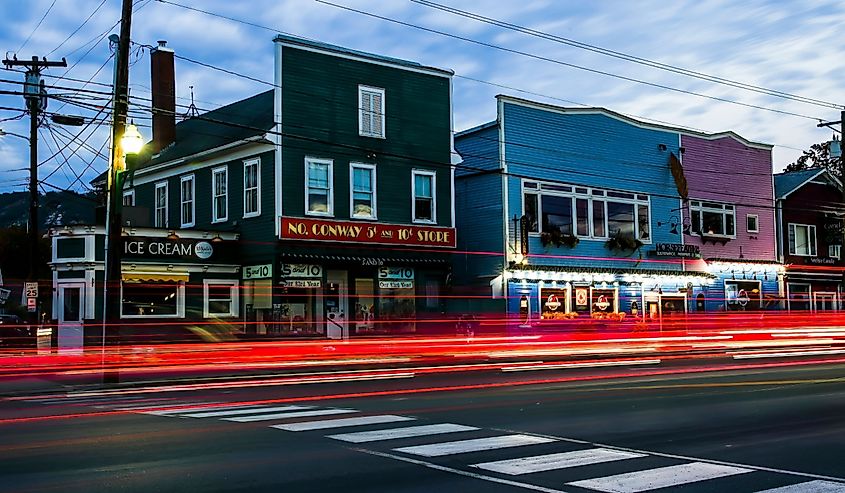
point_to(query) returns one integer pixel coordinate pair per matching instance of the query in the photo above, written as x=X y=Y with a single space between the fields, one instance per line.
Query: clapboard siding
x=479 y=150
x=479 y=225
x=728 y=171
x=591 y=149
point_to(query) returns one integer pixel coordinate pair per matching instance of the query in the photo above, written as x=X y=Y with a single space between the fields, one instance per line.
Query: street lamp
x=3 y=133
x=132 y=142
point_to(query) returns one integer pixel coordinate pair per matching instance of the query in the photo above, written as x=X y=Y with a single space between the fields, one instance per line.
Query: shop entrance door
x=825 y=301
x=337 y=305
x=70 y=336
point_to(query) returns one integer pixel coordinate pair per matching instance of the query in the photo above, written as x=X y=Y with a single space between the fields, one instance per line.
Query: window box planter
x=558 y=239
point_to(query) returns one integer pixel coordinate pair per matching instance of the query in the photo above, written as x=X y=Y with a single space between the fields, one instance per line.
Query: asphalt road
x=767 y=428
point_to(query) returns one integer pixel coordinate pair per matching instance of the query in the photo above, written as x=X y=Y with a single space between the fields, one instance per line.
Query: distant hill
x=55 y=209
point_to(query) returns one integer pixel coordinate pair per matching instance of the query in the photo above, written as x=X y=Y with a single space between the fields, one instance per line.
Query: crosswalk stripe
x=395 y=433
x=551 y=462
x=240 y=412
x=138 y=404
x=474 y=445
x=88 y=400
x=300 y=414
x=809 y=487
x=340 y=423
x=184 y=407
x=661 y=477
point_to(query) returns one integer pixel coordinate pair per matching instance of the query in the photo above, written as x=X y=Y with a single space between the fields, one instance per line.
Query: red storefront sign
x=358 y=232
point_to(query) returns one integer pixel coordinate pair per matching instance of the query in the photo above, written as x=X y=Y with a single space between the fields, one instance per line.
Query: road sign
x=31 y=304
x=31 y=289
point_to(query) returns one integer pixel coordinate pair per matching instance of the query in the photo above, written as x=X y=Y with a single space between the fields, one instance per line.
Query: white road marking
x=551 y=462
x=395 y=433
x=661 y=477
x=594 y=364
x=183 y=407
x=474 y=445
x=787 y=354
x=809 y=487
x=240 y=412
x=475 y=475
x=339 y=423
x=299 y=414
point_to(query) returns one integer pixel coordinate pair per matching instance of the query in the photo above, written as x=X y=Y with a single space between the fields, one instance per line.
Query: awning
x=153 y=276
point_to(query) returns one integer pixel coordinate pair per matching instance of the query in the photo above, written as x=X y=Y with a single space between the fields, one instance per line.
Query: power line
x=627 y=57
x=562 y=63
x=37 y=26
x=97 y=9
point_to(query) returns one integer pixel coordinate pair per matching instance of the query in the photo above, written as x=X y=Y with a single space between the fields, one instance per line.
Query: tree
x=817 y=156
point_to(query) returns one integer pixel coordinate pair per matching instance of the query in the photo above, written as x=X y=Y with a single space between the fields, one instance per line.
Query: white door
x=336 y=302
x=70 y=337
x=825 y=301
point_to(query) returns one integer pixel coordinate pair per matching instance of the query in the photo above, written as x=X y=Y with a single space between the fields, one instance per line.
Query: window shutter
x=792 y=239
x=377 y=113
x=365 y=112
x=811 y=233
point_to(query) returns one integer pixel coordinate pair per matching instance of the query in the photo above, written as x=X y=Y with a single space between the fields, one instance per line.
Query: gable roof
x=786 y=183
x=236 y=122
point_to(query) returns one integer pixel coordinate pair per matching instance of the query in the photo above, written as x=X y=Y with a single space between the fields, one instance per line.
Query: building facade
x=567 y=212
x=809 y=216
x=335 y=188
x=729 y=216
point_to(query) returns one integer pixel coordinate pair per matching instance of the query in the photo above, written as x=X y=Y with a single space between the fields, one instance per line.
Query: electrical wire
x=37 y=26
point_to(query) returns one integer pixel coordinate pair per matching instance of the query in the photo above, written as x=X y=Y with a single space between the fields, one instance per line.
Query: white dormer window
x=370 y=112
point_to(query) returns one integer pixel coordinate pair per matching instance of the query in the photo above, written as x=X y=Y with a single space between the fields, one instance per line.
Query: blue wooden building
x=562 y=211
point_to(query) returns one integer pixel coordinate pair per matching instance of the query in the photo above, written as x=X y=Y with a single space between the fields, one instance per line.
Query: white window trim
x=215 y=214
x=182 y=202
x=233 y=290
x=791 y=247
x=756 y=223
x=723 y=210
x=180 y=304
x=257 y=163
x=159 y=185
x=330 y=163
x=604 y=198
x=834 y=248
x=433 y=176
x=377 y=90
x=129 y=193
x=371 y=167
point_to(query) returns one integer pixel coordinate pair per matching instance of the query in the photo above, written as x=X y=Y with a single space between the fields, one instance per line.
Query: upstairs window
x=586 y=212
x=160 y=203
x=219 y=195
x=129 y=198
x=713 y=219
x=424 y=204
x=802 y=240
x=252 y=188
x=319 y=183
x=752 y=223
x=187 y=201
x=363 y=197
x=370 y=112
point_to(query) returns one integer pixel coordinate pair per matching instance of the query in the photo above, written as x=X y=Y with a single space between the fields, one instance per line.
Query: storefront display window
x=604 y=301
x=397 y=310
x=799 y=296
x=363 y=306
x=151 y=299
x=553 y=303
x=221 y=298
x=743 y=295
x=298 y=312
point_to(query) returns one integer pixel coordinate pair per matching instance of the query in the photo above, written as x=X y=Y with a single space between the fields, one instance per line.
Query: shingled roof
x=235 y=122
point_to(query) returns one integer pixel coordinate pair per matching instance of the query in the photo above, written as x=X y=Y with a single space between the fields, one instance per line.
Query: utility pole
x=120 y=108
x=841 y=124
x=36 y=100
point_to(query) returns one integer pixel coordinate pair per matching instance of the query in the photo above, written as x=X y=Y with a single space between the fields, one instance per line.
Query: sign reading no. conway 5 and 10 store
x=354 y=232
x=182 y=249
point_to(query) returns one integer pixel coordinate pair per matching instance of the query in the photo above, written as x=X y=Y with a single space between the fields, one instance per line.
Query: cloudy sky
x=791 y=47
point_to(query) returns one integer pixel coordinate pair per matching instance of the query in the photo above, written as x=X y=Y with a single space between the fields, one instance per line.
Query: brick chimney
x=164 y=96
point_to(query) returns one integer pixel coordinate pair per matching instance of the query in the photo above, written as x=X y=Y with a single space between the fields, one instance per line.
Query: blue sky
x=789 y=46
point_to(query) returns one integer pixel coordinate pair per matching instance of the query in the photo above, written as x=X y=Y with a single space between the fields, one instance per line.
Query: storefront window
x=604 y=301
x=743 y=295
x=799 y=296
x=363 y=306
x=151 y=299
x=553 y=303
x=299 y=310
x=221 y=298
x=397 y=310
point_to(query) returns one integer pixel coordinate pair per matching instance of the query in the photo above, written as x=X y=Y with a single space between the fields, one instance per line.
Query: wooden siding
x=805 y=206
x=727 y=171
x=479 y=150
x=592 y=149
x=320 y=119
x=479 y=225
